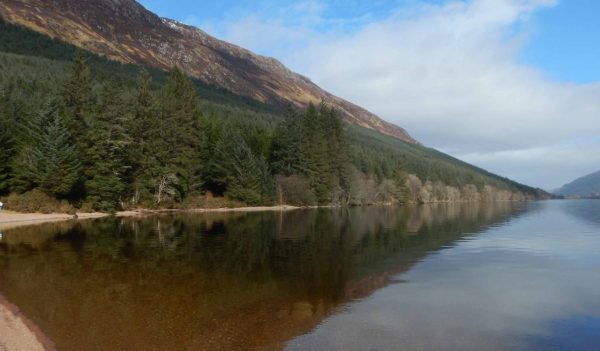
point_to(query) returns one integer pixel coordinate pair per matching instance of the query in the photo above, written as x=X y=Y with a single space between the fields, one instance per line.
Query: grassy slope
x=37 y=57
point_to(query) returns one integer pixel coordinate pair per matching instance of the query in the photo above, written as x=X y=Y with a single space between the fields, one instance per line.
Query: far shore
x=10 y=219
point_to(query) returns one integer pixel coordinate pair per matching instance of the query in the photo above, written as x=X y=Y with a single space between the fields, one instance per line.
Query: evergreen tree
x=315 y=154
x=50 y=161
x=285 y=148
x=179 y=138
x=338 y=149
x=144 y=131
x=245 y=175
x=314 y=144
x=7 y=152
x=78 y=101
x=107 y=155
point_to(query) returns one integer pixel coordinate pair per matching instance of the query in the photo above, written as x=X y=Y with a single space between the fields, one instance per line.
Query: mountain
x=132 y=136
x=125 y=31
x=588 y=186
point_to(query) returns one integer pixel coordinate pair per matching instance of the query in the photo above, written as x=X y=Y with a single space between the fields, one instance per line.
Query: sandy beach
x=10 y=219
x=18 y=333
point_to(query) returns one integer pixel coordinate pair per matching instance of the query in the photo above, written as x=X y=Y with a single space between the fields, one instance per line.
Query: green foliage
x=144 y=132
x=107 y=155
x=50 y=161
x=7 y=149
x=243 y=173
x=313 y=144
x=179 y=137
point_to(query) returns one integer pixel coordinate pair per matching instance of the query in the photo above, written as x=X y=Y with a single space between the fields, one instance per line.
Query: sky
x=512 y=86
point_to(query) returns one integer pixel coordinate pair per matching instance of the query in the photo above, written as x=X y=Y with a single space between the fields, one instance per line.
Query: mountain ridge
x=125 y=31
x=586 y=186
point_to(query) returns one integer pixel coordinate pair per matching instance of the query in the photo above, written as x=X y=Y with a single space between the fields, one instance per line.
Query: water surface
x=502 y=276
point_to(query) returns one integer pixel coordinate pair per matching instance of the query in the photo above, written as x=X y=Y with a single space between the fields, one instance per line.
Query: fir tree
x=78 y=100
x=285 y=148
x=107 y=155
x=179 y=138
x=50 y=161
x=245 y=175
x=144 y=130
x=7 y=152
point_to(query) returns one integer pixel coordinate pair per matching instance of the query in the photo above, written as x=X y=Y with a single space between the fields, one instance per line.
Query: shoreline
x=20 y=333
x=10 y=219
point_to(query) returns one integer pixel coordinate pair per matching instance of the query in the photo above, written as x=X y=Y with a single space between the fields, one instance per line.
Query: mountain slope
x=588 y=186
x=124 y=30
x=36 y=70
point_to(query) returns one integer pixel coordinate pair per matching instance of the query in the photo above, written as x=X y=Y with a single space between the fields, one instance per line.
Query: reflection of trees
x=217 y=281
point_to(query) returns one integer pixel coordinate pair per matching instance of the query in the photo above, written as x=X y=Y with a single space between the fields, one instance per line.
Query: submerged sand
x=17 y=333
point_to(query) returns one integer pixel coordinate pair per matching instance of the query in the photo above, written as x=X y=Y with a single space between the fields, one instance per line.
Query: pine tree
x=285 y=148
x=315 y=154
x=313 y=144
x=245 y=175
x=7 y=152
x=144 y=131
x=107 y=156
x=338 y=149
x=78 y=100
x=50 y=161
x=179 y=139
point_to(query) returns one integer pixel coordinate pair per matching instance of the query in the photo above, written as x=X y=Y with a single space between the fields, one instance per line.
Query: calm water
x=445 y=277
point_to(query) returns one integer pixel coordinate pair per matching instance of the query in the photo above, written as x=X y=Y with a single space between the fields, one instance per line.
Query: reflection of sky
x=575 y=333
x=525 y=285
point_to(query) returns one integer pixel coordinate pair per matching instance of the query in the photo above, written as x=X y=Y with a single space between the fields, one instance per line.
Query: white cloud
x=450 y=74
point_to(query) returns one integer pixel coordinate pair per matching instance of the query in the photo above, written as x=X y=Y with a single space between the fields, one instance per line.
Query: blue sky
x=512 y=86
x=566 y=42
x=565 y=39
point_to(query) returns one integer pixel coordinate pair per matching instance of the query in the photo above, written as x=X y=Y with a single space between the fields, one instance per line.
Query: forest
x=83 y=132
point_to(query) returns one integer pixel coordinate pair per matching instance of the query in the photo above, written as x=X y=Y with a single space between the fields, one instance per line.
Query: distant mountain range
x=584 y=187
x=125 y=31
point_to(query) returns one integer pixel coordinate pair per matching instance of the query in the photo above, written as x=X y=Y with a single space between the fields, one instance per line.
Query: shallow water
x=503 y=276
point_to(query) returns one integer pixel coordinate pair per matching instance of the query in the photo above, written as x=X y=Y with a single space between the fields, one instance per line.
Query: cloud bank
x=449 y=73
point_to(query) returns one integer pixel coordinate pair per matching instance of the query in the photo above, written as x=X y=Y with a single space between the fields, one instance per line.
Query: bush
x=209 y=201
x=37 y=201
x=295 y=190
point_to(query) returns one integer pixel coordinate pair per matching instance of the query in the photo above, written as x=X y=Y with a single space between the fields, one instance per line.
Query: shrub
x=295 y=190
x=37 y=201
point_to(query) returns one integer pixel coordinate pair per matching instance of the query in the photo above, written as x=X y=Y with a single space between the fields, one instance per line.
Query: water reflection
x=219 y=281
x=529 y=284
x=585 y=210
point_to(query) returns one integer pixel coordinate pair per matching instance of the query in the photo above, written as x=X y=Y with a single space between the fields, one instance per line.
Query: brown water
x=345 y=279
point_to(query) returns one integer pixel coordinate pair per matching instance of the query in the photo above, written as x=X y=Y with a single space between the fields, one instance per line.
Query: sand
x=17 y=333
x=9 y=219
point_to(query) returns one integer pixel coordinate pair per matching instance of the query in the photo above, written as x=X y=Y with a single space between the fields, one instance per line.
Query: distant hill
x=588 y=186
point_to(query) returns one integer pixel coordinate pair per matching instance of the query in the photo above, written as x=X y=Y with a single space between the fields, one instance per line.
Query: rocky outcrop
x=124 y=30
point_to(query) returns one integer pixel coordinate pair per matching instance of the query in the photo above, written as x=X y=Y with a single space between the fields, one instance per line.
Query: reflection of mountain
x=223 y=282
x=585 y=210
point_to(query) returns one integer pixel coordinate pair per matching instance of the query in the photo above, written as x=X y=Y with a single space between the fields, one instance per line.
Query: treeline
x=112 y=147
